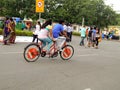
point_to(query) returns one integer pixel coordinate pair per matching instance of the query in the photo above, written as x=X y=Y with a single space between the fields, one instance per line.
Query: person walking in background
x=65 y=26
x=71 y=27
x=35 y=33
x=87 y=31
x=83 y=35
x=97 y=37
x=23 y=25
x=90 y=37
x=6 y=31
x=69 y=32
x=93 y=36
x=12 y=31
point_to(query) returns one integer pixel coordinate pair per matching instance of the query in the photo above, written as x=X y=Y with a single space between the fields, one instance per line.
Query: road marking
x=88 y=89
x=11 y=53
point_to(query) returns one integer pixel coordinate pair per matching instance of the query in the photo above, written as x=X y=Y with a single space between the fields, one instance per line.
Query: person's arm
x=50 y=35
x=65 y=34
x=9 y=27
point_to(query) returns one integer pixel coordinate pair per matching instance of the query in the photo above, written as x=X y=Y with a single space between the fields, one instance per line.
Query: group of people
x=9 y=34
x=108 y=34
x=68 y=29
x=93 y=36
x=47 y=34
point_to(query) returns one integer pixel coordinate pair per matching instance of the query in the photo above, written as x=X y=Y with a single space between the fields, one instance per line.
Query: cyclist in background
x=59 y=34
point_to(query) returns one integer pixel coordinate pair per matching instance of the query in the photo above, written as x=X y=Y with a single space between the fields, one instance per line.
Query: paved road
x=89 y=69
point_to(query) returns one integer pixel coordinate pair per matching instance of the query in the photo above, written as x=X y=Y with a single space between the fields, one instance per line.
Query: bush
x=21 y=33
x=76 y=33
x=0 y=31
x=29 y=33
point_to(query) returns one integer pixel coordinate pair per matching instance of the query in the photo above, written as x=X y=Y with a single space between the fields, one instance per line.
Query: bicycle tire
x=32 y=52
x=67 y=52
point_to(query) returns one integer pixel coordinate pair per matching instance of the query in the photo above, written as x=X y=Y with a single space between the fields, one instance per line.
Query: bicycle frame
x=53 y=48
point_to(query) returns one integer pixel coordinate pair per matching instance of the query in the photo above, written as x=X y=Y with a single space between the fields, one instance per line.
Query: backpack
x=90 y=33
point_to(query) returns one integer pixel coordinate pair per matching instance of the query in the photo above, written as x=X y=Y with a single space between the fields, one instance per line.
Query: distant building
x=76 y=27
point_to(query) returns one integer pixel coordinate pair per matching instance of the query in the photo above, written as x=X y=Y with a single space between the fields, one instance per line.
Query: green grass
x=76 y=33
x=20 y=33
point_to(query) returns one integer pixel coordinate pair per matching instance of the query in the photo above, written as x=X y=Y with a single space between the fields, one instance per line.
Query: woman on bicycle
x=45 y=34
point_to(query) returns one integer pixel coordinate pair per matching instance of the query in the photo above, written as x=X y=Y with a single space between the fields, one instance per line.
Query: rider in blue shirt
x=58 y=29
x=59 y=34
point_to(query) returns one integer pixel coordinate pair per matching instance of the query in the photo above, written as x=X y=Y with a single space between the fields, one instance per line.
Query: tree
x=95 y=12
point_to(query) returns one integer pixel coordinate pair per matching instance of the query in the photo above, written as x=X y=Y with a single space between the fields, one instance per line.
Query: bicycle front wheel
x=67 y=52
x=32 y=52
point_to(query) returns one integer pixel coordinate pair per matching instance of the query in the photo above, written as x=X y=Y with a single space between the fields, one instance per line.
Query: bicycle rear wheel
x=67 y=52
x=32 y=52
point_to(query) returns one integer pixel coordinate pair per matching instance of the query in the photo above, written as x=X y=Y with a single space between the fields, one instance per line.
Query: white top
x=43 y=33
x=69 y=29
x=37 y=29
x=65 y=28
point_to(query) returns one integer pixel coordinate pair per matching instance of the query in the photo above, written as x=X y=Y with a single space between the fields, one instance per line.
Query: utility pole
x=39 y=16
x=83 y=21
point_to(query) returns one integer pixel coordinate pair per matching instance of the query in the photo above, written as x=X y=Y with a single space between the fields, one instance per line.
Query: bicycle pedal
x=43 y=54
x=54 y=54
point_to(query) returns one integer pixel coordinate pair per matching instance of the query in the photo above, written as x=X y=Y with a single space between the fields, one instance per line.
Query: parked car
x=115 y=37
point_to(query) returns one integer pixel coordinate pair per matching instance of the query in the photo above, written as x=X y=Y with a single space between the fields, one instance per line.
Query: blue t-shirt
x=56 y=30
x=94 y=32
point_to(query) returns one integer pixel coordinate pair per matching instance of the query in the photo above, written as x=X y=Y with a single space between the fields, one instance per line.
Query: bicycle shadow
x=46 y=60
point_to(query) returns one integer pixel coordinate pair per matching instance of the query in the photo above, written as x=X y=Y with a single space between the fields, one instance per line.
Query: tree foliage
x=95 y=12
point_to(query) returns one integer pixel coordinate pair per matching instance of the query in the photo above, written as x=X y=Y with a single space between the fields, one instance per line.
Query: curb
x=19 y=39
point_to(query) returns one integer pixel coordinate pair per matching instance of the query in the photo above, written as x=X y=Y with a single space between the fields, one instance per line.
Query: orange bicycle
x=33 y=51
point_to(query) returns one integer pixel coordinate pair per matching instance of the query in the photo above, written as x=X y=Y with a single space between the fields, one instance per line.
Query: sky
x=114 y=3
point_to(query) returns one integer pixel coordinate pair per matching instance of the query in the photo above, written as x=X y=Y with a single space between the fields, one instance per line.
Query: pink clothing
x=43 y=33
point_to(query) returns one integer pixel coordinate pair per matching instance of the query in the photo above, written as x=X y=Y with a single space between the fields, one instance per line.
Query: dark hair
x=94 y=27
x=61 y=21
x=48 y=22
x=91 y=28
x=39 y=24
x=11 y=19
x=7 y=17
x=98 y=30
